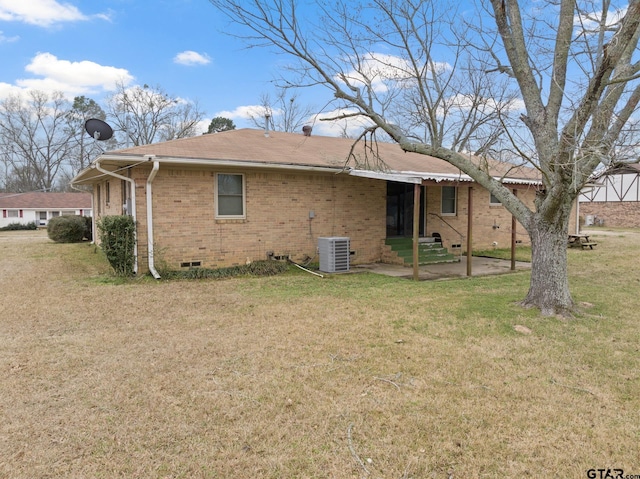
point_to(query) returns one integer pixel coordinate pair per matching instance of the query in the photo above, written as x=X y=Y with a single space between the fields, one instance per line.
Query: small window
x=493 y=200
x=13 y=214
x=230 y=196
x=449 y=200
x=107 y=193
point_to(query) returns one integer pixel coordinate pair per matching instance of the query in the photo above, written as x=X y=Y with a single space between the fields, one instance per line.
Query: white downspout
x=131 y=181
x=152 y=175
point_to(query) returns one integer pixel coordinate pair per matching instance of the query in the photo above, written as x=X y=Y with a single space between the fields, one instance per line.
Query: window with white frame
x=13 y=214
x=449 y=195
x=230 y=195
x=493 y=201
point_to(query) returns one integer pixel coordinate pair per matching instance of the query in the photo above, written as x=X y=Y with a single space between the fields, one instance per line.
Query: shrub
x=67 y=229
x=20 y=226
x=256 y=268
x=117 y=238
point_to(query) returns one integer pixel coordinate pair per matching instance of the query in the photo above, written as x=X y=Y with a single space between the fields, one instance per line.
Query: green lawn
x=346 y=376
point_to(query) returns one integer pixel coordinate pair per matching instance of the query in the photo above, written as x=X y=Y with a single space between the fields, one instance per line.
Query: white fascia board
x=213 y=163
x=379 y=175
x=417 y=177
x=136 y=160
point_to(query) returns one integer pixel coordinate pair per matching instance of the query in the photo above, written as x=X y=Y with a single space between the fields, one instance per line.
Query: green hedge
x=257 y=268
x=117 y=239
x=67 y=229
x=20 y=226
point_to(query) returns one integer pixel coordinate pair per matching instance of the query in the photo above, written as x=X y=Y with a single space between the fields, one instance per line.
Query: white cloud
x=590 y=23
x=190 y=58
x=71 y=78
x=7 y=89
x=4 y=39
x=43 y=13
x=378 y=69
x=324 y=124
x=243 y=112
x=464 y=102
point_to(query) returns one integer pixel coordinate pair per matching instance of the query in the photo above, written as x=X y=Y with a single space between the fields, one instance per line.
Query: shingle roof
x=295 y=149
x=45 y=201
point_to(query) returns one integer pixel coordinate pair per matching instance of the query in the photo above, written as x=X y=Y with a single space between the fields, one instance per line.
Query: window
x=493 y=200
x=449 y=200
x=13 y=214
x=107 y=193
x=230 y=196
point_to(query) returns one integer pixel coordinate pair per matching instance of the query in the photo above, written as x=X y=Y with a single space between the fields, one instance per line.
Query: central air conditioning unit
x=334 y=254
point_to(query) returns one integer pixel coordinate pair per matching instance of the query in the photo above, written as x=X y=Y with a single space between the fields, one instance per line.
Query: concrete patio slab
x=480 y=267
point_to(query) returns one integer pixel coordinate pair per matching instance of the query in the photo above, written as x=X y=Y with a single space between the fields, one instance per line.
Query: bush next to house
x=117 y=237
x=256 y=268
x=20 y=226
x=67 y=229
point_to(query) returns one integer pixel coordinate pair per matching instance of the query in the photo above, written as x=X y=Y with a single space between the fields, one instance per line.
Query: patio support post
x=470 y=231
x=513 y=238
x=416 y=231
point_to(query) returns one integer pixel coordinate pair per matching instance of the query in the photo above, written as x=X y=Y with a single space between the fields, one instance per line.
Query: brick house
x=243 y=195
x=613 y=199
x=39 y=207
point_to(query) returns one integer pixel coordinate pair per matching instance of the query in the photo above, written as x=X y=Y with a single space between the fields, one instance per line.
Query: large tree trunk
x=549 y=288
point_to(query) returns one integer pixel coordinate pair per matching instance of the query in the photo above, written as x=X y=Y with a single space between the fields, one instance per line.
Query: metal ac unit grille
x=334 y=254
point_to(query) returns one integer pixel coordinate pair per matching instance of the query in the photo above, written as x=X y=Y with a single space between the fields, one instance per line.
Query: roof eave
x=135 y=160
x=416 y=177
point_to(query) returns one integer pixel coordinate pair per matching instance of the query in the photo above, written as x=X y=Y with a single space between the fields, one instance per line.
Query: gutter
x=152 y=175
x=216 y=163
x=132 y=182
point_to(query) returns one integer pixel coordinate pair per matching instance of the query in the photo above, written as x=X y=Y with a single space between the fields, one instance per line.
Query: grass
x=348 y=376
x=523 y=253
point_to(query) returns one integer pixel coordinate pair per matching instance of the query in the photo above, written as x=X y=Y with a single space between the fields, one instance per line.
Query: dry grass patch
x=297 y=376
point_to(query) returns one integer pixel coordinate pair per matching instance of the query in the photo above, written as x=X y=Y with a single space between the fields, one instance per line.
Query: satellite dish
x=98 y=129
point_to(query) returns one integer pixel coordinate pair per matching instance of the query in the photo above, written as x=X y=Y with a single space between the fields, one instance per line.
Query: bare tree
x=144 y=115
x=568 y=72
x=285 y=113
x=85 y=147
x=34 y=140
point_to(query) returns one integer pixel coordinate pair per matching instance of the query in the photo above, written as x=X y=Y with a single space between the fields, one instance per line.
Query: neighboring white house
x=613 y=199
x=41 y=207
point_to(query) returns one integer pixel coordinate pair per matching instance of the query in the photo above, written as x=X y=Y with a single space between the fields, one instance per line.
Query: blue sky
x=83 y=48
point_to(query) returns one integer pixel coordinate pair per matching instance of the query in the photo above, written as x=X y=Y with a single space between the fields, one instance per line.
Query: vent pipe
x=306 y=129
x=267 y=118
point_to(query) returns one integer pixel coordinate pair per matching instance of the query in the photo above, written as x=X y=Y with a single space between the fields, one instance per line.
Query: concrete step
x=429 y=252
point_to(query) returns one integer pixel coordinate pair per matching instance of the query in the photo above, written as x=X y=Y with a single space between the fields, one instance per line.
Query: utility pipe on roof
x=152 y=175
x=132 y=182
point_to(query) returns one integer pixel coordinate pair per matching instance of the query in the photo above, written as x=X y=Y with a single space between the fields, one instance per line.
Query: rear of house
x=240 y=196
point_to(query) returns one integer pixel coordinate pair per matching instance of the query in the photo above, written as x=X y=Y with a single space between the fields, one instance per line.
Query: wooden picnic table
x=580 y=241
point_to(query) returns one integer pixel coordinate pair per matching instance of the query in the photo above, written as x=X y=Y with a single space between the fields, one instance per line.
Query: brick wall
x=278 y=206
x=491 y=223
x=622 y=214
